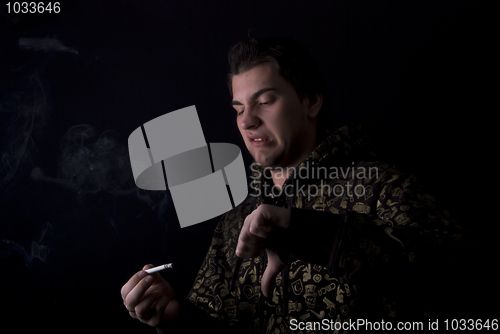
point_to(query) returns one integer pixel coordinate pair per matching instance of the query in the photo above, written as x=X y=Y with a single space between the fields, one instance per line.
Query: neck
x=281 y=174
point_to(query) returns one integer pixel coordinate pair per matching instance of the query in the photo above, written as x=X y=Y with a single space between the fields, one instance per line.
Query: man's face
x=276 y=126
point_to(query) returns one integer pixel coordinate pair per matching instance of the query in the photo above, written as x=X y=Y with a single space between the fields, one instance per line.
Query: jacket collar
x=343 y=148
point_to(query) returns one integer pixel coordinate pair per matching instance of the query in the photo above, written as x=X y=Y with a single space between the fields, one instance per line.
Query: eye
x=267 y=102
x=239 y=113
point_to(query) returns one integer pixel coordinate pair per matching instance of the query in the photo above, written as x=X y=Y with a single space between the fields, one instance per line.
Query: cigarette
x=155 y=269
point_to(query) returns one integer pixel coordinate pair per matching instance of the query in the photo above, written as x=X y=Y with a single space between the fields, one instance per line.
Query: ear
x=315 y=103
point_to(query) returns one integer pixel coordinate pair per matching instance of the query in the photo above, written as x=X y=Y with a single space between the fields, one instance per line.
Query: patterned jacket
x=362 y=239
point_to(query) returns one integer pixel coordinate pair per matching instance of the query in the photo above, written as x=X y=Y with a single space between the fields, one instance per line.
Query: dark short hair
x=296 y=65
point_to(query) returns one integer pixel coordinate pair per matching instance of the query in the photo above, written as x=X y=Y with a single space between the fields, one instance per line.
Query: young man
x=327 y=235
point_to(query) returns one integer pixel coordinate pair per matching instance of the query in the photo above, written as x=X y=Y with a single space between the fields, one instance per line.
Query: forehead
x=264 y=75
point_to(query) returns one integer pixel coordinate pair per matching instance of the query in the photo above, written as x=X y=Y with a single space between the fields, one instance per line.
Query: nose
x=248 y=120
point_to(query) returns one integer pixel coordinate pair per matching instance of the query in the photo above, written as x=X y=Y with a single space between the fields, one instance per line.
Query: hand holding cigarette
x=149 y=298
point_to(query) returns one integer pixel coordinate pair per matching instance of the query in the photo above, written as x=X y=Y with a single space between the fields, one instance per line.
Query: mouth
x=257 y=137
x=259 y=141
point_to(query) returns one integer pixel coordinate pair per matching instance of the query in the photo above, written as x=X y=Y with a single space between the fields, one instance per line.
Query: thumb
x=274 y=267
x=156 y=276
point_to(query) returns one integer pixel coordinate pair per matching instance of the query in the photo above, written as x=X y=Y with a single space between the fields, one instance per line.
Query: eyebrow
x=254 y=96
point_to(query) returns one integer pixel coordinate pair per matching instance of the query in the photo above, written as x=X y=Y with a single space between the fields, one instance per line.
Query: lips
x=259 y=140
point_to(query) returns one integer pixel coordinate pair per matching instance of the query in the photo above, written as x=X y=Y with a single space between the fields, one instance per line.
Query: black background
x=413 y=69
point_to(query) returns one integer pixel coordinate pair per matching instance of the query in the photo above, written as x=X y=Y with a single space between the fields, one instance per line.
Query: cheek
x=245 y=140
x=240 y=130
x=286 y=125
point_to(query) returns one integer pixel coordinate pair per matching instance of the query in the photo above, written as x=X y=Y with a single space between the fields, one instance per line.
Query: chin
x=267 y=161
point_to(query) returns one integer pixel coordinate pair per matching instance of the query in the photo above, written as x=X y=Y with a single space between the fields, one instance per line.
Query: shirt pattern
x=395 y=227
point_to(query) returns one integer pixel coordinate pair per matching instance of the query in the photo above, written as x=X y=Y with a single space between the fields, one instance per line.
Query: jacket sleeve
x=192 y=320
x=215 y=290
x=409 y=253
x=313 y=237
x=405 y=255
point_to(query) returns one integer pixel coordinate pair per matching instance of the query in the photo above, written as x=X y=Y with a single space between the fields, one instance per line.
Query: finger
x=160 y=309
x=132 y=282
x=260 y=226
x=137 y=292
x=249 y=245
x=147 y=266
x=274 y=267
x=132 y=314
x=247 y=237
x=250 y=239
x=255 y=225
x=157 y=278
x=172 y=310
x=250 y=232
x=277 y=216
x=249 y=251
x=247 y=242
x=145 y=309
